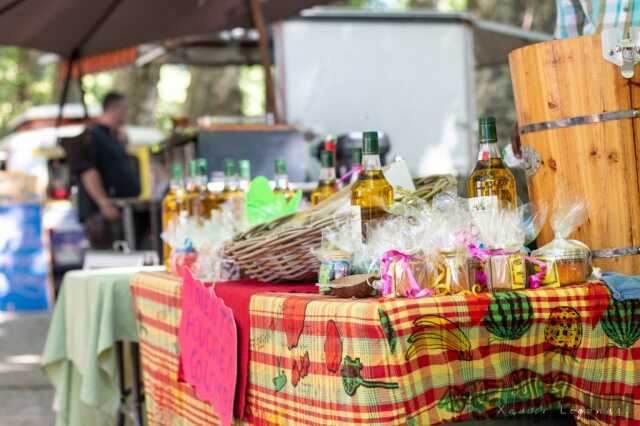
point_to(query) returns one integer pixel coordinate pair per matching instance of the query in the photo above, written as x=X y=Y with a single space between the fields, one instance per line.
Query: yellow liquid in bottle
x=230 y=193
x=288 y=193
x=174 y=206
x=325 y=189
x=374 y=195
x=491 y=183
x=204 y=203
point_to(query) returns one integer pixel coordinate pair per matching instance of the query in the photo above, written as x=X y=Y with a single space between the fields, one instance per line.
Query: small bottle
x=327 y=183
x=206 y=201
x=491 y=184
x=192 y=190
x=371 y=192
x=356 y=164
x=282 y=179
x=231 y=187
x=174 y=206
x=245 y=174
x=330 y=144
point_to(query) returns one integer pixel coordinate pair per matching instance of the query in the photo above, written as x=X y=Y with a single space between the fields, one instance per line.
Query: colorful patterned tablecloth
x=317 y=360
x=321 y=361
x=169 y=402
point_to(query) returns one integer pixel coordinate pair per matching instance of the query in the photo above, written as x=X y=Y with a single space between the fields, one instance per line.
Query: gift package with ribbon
x=197 y=245
x=500 y=260
x=565 y=261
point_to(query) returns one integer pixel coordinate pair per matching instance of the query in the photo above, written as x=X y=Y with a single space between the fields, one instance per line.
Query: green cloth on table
x=94 y=310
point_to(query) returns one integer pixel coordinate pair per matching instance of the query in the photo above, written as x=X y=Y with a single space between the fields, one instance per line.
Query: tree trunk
x=140 y=84
x=213 y=91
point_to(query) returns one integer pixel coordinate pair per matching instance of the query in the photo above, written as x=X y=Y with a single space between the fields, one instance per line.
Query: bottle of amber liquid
x=356 y=164
x=491 y=184
x=206 y=201
x=371 y=192
x=231 y=184
x=174 y=206
x=282 y=179
x=245 y=174
x=192 y=189
x=327 y=183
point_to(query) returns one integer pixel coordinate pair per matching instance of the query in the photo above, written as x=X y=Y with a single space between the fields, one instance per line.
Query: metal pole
x=265 y=58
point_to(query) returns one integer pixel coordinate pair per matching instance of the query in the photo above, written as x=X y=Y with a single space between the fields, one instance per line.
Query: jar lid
x=562 y=249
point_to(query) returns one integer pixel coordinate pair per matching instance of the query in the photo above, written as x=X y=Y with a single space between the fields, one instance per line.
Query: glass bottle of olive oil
x=327 y=183
x=371 y=192
x=282 y=179
x=174 y=206
x=491 y=184
x=192 y=189
x=356 y=164
x=231 y=187
x=245 y=174
x=206 y=201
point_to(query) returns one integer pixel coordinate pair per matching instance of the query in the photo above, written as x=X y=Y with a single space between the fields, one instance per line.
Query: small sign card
x=208 y=347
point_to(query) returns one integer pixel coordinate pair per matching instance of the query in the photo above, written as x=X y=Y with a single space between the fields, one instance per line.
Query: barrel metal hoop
x=615 y=252
x=577 y=121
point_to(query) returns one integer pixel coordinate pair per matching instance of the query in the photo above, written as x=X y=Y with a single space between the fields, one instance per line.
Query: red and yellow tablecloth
x=318 y=361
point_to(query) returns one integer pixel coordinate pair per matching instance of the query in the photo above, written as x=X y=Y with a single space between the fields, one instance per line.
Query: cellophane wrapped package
x=567 y=261
x=197 y=244
x=499 y=263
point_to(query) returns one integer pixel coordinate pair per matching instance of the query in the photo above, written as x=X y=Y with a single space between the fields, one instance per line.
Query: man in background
x=106 y=172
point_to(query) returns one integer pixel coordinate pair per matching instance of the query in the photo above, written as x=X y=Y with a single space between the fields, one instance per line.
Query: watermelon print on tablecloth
x=509 y=316
x=621 y=322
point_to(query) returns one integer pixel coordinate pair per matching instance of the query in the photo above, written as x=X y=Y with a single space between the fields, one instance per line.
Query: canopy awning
x=88 y=27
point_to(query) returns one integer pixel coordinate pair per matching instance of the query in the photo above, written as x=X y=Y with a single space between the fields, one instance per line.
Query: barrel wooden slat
x=569 y=78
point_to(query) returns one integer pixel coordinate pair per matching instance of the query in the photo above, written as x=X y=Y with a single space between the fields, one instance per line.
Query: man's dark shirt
x=110 y=159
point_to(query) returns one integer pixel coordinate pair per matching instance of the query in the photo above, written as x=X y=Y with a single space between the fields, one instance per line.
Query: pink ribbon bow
x=414 y=291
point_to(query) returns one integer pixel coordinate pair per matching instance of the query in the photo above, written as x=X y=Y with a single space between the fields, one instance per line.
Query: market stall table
x=321 y=360
x=92 y=315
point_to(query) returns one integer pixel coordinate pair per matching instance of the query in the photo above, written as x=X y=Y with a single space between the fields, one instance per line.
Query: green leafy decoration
x=262 y=205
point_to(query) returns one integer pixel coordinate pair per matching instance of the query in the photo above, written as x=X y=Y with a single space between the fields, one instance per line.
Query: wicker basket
x=281 y=250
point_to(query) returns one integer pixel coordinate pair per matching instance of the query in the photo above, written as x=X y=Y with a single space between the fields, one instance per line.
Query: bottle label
x=518 y=273
x=483 y=204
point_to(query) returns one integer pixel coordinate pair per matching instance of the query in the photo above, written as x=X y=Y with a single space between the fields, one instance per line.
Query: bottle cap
x=370 y=143
x=281 y=166
x=326 y=159
x=230 y=167
x=487 y=130
x=245 y=169
x=193 y=168
x=356 y=156
x=176 y=171
x=330 y=143
x=203 y=167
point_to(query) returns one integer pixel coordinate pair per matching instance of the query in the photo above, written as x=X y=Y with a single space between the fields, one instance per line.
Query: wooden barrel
x=558 y=85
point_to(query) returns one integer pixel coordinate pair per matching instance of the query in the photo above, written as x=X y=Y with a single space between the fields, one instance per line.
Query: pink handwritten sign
x=208 y=347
